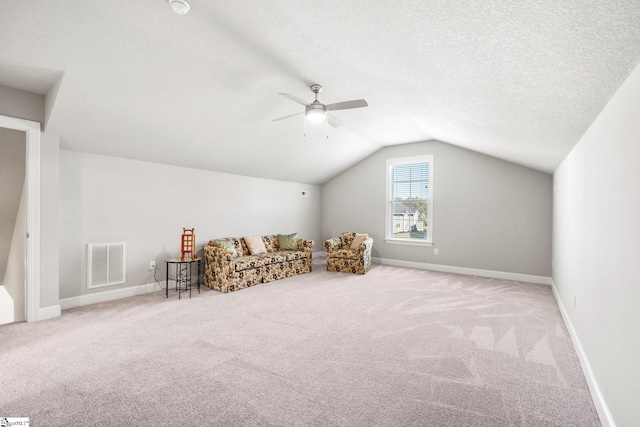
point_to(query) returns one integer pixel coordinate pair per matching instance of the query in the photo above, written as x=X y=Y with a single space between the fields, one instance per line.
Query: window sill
x=410 y=242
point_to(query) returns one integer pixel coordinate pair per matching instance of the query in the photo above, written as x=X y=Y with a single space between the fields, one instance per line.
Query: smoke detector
x=181 y=7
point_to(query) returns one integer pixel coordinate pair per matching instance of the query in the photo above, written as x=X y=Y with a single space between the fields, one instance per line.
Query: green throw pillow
x=288 y=242
x=227 y=245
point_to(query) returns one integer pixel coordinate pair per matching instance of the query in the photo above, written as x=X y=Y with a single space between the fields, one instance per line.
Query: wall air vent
x=106 y=264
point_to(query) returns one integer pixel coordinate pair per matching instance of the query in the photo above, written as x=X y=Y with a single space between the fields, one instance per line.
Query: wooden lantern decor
x=188 y=244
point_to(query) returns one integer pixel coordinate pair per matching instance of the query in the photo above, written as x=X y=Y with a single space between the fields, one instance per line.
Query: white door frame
x=32 y=130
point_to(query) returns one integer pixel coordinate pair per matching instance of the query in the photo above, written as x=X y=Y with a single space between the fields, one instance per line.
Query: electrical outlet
x=435 y=251
x=152 y=265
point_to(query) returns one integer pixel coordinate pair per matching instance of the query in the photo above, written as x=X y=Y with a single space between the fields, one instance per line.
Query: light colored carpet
x=396 y=347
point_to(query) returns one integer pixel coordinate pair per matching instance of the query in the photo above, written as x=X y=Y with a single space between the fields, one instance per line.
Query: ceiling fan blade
x=356 y=103
x=294 y=99
x=334 y=121
x=286 y=117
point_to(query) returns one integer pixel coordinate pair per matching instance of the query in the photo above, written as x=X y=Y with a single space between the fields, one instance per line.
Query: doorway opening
x=13 y=225
x=32 y=204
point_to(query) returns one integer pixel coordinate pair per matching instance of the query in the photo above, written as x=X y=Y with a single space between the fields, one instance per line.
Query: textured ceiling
x=521 y=81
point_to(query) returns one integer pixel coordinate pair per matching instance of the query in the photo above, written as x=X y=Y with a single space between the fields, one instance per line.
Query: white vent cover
x=106 y=264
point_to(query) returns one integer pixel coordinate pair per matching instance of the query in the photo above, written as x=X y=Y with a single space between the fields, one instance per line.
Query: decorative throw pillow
x=226 y=245
x=255 y=245
x=288 y=242
x=358 y=239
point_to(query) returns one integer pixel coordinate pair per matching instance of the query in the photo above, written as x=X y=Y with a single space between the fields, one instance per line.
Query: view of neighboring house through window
x=409 y=195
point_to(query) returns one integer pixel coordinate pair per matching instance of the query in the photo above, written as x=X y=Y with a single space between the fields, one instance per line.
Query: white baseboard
x=96 y=297
x=596 y=394
x=542 y=280
x=50 y=312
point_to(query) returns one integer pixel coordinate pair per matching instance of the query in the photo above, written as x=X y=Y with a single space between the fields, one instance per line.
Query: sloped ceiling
x=521 y=81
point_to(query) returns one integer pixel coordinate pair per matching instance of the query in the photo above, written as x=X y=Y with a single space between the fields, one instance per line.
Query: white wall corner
x=596 y=394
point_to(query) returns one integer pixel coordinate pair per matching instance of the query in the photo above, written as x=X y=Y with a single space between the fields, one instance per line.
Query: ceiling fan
x=318 y=112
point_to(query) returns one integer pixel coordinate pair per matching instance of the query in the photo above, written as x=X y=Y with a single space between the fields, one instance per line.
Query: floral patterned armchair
x=343 y=254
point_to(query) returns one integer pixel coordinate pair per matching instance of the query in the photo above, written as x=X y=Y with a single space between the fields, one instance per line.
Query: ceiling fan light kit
x=317 y=112
x=181 y=7
x=315 y=115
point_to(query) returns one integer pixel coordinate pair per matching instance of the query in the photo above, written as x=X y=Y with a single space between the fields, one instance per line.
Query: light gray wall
x=22 y=105
x=106 y=199
x=49 y=220
x=596 y=248
x=488 y=214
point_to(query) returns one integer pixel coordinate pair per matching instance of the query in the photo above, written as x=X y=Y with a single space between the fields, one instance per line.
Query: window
x=410 y=200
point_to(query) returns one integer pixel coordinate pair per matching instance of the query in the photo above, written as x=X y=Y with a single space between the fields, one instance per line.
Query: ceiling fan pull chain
x=326 y=122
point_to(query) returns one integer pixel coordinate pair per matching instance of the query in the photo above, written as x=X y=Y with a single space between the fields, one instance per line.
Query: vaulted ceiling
x=521 y=81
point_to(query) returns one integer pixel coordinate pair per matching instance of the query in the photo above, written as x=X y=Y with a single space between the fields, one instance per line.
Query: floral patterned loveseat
x=229 y=265
x=349 y=257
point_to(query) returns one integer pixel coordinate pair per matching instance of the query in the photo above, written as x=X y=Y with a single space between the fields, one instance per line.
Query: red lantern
x=188 y=244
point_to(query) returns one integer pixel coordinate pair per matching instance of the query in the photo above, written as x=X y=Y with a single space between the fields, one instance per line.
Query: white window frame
x=389 y=224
